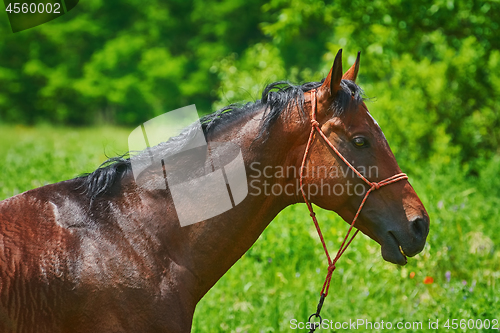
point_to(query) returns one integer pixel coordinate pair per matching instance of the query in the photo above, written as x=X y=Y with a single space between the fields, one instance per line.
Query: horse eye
x=360 y=142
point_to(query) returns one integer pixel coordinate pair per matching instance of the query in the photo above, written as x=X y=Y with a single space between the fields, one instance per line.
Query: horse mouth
x=393 y=252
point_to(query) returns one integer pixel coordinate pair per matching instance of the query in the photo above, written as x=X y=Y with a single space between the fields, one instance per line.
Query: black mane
x=277 y=98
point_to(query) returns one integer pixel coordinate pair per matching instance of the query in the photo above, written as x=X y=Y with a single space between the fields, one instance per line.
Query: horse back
x=68 y=264
x=38 y=255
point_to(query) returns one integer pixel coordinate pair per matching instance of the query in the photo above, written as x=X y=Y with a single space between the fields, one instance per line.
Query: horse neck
x=208 y=249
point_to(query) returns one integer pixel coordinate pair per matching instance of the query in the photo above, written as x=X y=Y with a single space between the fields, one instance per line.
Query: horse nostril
x=420 y=226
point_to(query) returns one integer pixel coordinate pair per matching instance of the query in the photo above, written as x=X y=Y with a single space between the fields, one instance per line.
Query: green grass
x=280 y=277
x=33 y=157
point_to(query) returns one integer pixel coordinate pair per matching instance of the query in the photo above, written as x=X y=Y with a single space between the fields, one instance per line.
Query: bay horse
x=99 y=253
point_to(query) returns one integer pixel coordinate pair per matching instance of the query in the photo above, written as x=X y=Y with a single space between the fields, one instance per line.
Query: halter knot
x=313 y=214
x=314 y=123
x=331 y=268
x=375 y=186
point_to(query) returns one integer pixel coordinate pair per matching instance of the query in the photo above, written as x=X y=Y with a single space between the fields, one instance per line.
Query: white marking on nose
x=375 y=122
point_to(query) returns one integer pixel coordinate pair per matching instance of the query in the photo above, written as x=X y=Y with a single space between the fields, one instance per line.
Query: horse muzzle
x=397 y=246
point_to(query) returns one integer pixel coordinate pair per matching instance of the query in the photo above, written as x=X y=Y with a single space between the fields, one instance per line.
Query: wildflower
x=412 y=275
x=448 y=276
x=428 y=280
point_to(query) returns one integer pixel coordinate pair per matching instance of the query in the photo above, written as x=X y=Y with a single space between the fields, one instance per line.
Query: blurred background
x=432 y=68
x=74 y=87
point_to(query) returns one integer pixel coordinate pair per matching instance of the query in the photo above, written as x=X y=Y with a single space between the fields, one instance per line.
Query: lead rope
x=373 y=186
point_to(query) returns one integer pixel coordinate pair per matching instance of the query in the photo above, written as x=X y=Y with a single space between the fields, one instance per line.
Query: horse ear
x=332 y=81
x=352 y=73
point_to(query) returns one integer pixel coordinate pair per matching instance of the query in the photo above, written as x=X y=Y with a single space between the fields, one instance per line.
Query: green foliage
x=433 y=75
x=432 y=67
x=245 y=78
x=120 y=62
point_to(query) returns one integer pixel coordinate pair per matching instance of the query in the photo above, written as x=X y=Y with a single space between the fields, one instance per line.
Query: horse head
x=393 y=215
